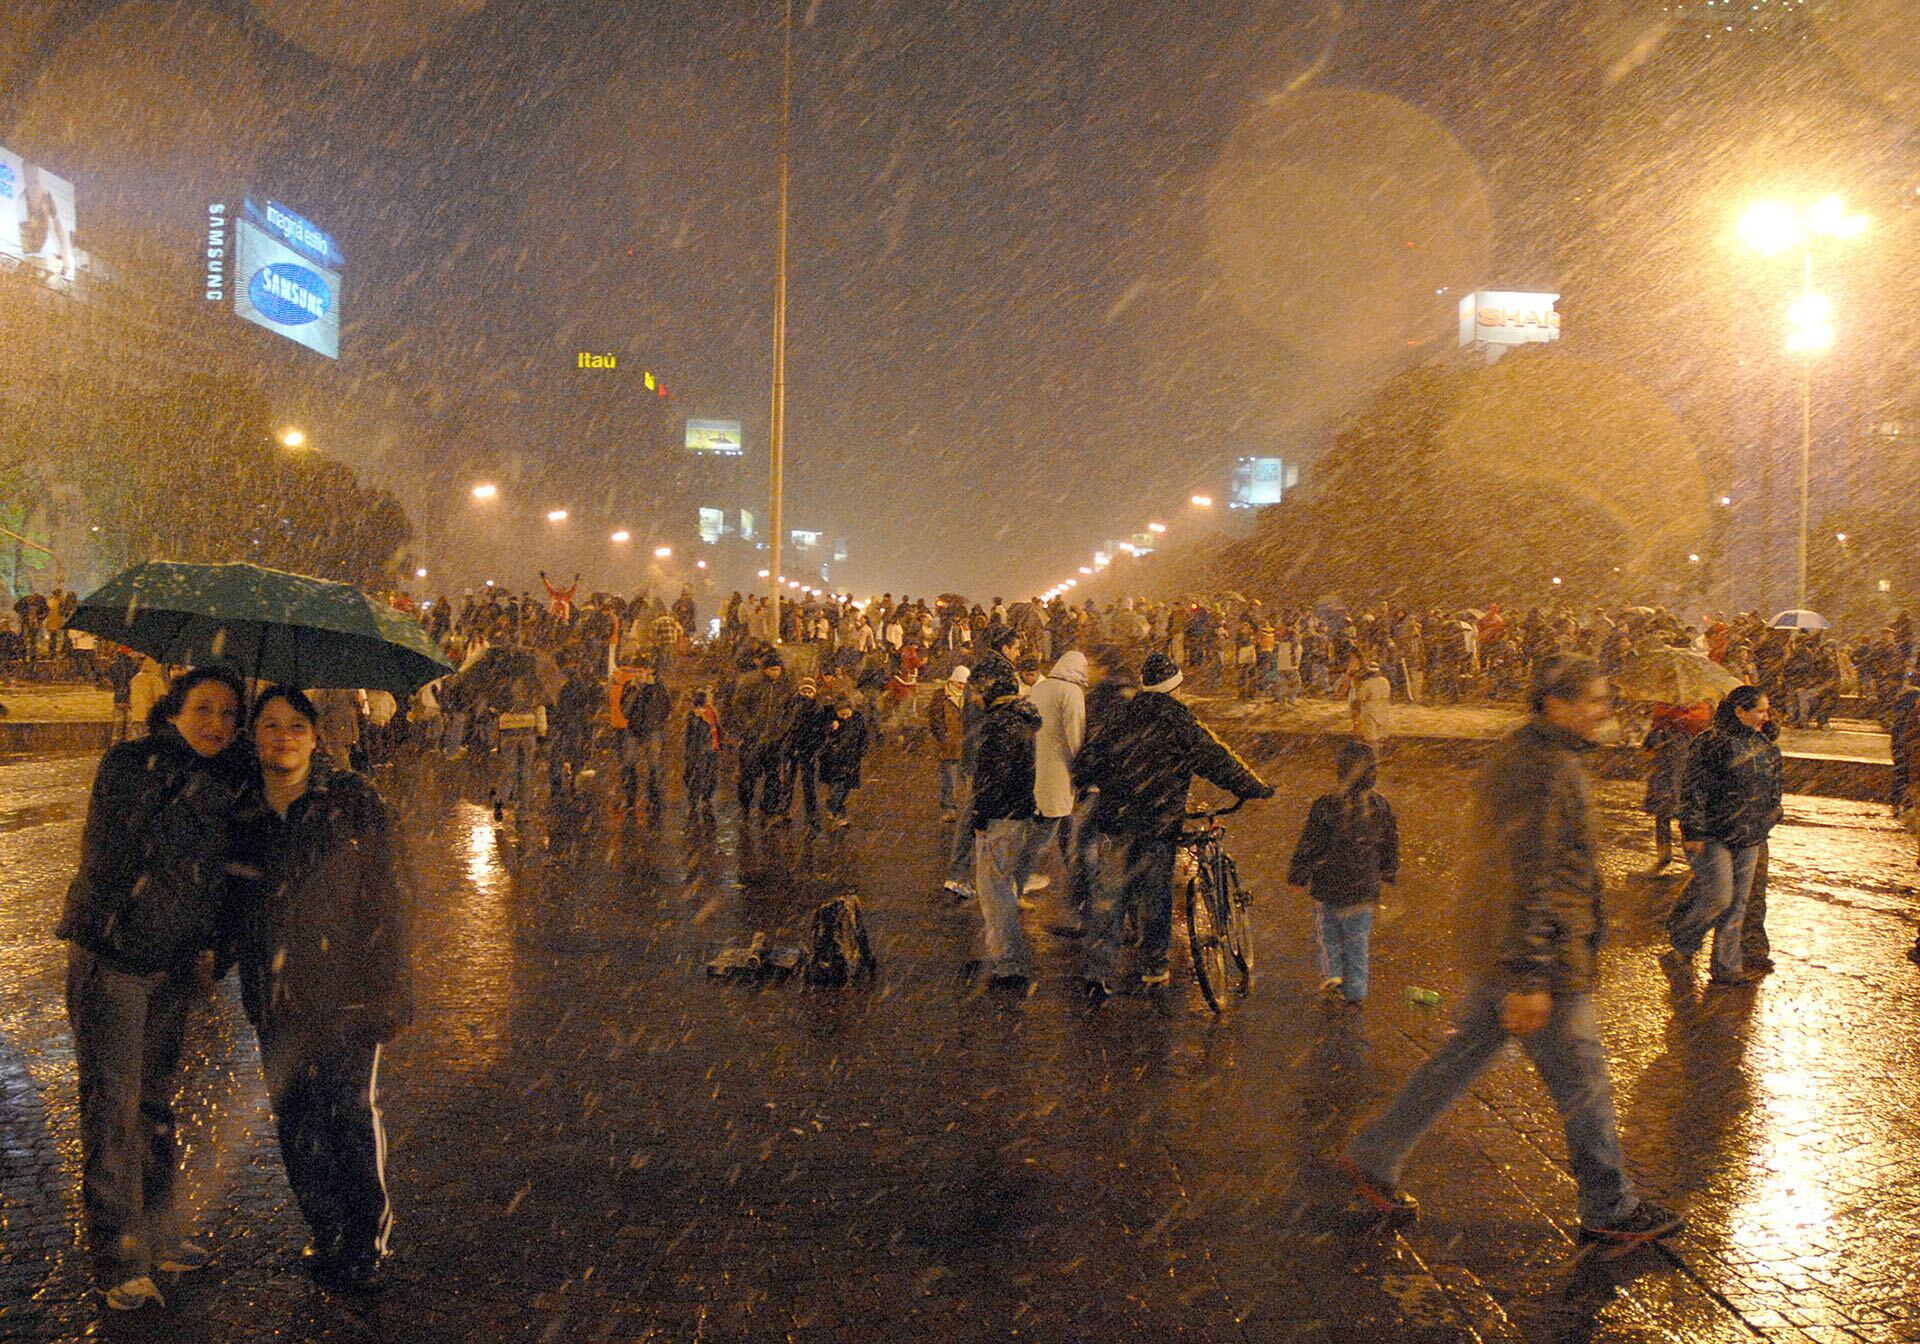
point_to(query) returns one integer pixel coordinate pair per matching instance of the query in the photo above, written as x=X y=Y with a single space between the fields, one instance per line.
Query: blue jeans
x=1341 y=934
x=516 y=765
x=960 y=848
x=1571 y=1061
x=996 y=859
x=950 y=781
x=1128 y=873
x=1715 y=899
x=1041 y=831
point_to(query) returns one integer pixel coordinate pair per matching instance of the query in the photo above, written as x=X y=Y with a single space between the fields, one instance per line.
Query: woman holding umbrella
x=142 y=909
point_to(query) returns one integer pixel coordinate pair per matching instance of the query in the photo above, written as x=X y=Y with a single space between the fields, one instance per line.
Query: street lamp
x=1772 y=228
x=1157 y=528
x=292 y=437
x=622 y=537
x=486 y=491
x=1201 y=501
x=420 y=573
x=556 y=515
x=663 y=552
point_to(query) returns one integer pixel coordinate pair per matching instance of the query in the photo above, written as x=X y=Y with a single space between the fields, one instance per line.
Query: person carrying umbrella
x=318 y=924
x=1668 y=739
x=143 y=907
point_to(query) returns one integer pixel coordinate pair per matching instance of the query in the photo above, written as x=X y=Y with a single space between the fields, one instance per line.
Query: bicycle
x=1219 y=926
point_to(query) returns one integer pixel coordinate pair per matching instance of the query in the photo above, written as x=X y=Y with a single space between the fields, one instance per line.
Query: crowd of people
x=1059 y=743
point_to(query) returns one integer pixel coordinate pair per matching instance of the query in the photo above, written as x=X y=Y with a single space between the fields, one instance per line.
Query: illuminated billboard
x=721 y=437
x=1260 y=481
x=1508 y=317
x=286 y=276
x=713 y=525
x=37 y=221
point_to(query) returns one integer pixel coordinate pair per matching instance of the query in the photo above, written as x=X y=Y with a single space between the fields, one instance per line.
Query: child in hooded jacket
x=1349 y=846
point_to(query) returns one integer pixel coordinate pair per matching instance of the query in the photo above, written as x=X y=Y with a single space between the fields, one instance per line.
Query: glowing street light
x=556 y=515
x=1086 y=569
x=420 y=573
x=1771 y=228
x=699 y=564
x=1202 y=501
x=622 y=536
x=1156 y=528
x=292 y=437
x=486 y=491
x=663 y=552
x=764 y=573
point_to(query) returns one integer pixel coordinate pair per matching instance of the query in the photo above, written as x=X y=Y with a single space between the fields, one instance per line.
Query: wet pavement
x=589 y=1140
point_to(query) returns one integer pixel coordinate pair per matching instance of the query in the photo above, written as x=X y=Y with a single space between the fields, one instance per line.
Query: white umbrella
x=1674 y=677
x=1799 y=620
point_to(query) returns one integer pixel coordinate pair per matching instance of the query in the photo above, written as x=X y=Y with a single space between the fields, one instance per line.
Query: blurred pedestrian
x=700 y=755
x=522 y=722
x=1669 y=737
x=646 y=707
x=840 y=759
x=1529 y=926
x=1002 y=810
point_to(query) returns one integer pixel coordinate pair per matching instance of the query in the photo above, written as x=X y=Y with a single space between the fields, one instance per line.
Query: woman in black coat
x=140 y=911
x=318 y=923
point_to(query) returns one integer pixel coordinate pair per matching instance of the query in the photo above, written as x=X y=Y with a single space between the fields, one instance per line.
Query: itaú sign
x=1508 y=317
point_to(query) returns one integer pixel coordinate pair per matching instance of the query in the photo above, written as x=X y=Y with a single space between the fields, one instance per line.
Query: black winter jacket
x=153 y=853
x=1730 y=790
x=812 y=721
x=646 y=708
x=846 y=747
x=317 y=914
x=1143 y=759
x=1348 y=847
x=1003 y=770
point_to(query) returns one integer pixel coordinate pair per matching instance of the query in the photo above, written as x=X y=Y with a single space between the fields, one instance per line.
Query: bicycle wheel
x=1239 y=920
x=1207 y=938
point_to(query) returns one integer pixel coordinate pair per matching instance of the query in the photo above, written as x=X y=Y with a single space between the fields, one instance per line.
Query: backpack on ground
x=838 y=952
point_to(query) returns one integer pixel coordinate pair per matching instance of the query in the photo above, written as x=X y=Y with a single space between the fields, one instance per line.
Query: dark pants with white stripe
x=326 y=1107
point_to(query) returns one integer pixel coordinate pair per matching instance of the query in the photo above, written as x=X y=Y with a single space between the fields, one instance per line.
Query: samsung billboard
x=285 y=274
x=37 y=222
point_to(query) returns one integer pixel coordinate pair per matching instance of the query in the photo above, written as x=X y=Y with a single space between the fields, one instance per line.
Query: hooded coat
x=1143 y=761
x=1730 y=788
x=1061 y=698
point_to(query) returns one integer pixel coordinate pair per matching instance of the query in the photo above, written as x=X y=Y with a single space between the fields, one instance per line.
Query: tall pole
x=777 y=454
x=1806 y=436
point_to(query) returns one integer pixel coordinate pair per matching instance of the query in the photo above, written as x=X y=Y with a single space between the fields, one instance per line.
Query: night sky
x=1047 y=278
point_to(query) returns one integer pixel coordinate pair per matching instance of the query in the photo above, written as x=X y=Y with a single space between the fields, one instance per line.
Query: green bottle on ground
x=1426 y=998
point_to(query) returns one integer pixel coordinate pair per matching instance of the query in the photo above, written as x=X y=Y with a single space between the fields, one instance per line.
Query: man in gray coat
x=1529 y=923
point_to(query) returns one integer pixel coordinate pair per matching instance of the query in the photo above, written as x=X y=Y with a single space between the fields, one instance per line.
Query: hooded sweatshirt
x=1061 y=699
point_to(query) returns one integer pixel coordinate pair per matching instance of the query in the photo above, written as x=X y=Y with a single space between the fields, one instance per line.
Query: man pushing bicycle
x=1142 y=763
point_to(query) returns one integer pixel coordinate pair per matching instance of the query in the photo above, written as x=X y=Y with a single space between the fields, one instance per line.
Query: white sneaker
x=183 y=1258
x=135 y=1294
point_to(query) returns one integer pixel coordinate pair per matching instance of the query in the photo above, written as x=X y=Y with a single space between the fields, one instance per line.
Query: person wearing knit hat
x=1159 y=673
x=1143 y=763
x=806 y=738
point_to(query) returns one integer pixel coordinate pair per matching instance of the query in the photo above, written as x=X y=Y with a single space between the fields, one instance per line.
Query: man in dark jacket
x=806 y=737
x=570 y=730
x=319 y=926
x=1142 y=758
x=646 y=707
x=1528 y=928
x=758 y=716
x=1002 y=806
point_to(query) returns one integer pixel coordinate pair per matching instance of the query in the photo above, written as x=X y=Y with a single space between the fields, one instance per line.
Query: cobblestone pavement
x=589 y=1140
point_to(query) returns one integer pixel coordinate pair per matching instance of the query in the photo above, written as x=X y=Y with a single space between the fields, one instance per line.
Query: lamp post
x=777 y=442
x=1771 y=228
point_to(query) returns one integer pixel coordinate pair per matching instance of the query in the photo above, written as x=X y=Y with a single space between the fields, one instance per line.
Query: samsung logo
x=216 y=250
x=288 y=294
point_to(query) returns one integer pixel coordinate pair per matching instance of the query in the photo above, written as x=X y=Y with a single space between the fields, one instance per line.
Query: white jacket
x=1061 y=699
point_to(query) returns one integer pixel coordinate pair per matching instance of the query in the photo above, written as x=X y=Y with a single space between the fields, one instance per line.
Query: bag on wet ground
x=756 y=961
x=838 y=952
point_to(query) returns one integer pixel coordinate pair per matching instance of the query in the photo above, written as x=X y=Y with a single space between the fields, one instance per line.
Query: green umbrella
x=269 y=625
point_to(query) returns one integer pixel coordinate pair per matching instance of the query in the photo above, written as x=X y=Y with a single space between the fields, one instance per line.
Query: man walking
x=645 y=706
x=1528 y=926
